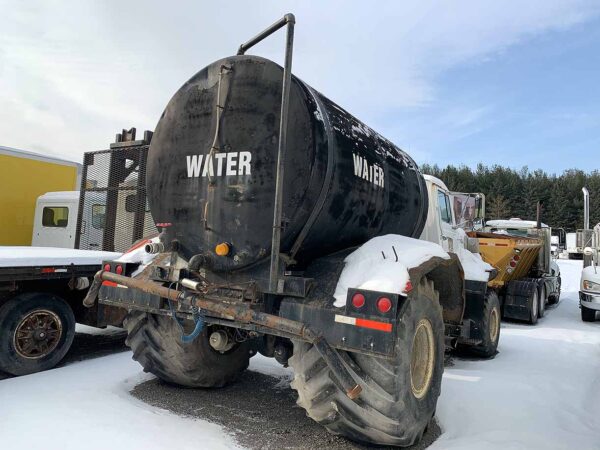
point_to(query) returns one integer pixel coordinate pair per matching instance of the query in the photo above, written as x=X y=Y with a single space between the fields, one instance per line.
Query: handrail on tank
x=288 y=20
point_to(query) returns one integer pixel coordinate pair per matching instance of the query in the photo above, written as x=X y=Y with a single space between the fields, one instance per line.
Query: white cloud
x=72 y=74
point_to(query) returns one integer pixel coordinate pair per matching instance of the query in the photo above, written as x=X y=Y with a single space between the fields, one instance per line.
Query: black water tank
x=344 y=183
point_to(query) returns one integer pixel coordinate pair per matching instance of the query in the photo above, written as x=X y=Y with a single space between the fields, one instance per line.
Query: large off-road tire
x=490 y=328
x=156 y=344
x=588 y=314
x=36 y=332
x=399 y=395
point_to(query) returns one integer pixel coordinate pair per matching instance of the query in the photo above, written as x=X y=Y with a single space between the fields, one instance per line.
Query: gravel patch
x=259 y=410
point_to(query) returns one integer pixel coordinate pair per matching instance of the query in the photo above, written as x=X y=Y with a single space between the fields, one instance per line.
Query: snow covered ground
x=540 y=392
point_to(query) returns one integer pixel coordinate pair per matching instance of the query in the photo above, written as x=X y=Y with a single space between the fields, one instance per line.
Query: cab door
x=448 y=234
x=55 y=225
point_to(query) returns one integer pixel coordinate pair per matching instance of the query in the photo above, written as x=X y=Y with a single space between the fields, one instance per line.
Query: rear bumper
x=589 y=300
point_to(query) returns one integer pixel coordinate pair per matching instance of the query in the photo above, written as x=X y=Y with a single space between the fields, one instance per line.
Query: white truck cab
x=55 y=220
x=440 y=226
x=589 y=286
x=450 y=213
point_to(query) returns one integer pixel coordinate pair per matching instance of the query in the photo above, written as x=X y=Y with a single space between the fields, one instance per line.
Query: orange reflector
x=374 y=325
x=222 y=249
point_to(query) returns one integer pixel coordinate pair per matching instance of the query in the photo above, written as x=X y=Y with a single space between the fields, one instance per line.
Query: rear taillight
x=358 y=300
x=516 y=257
x=119 y=269
x=107 y=267
x=408 y=287
x=513 y=263
x=384 y=304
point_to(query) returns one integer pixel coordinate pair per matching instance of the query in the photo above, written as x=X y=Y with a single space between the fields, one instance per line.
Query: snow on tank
x=513 y=223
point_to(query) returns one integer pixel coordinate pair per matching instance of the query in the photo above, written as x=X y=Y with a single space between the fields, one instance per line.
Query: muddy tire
x=542 y=299
x=533 y=307
x=490 y=328
x=588 y=314
x=36 y=332
x=156 y=344
x=554 y=298
x=399 y=396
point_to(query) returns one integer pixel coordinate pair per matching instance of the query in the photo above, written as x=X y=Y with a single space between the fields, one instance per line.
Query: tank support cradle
x=238 y=313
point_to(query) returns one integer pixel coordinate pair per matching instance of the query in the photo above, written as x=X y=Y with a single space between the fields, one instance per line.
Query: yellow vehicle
x=512 y=256
x=527 y=277
x=24 y=176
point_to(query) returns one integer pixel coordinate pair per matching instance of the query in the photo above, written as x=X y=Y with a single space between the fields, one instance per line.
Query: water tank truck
x=290 y=228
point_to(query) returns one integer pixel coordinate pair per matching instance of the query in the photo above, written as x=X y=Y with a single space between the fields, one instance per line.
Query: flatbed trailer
x=41 y=292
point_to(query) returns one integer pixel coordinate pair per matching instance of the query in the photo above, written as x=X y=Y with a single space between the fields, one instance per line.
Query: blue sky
x=512 y=83
x=536 y=104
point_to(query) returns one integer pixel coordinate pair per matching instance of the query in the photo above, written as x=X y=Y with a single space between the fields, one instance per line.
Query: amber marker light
x=222 y=249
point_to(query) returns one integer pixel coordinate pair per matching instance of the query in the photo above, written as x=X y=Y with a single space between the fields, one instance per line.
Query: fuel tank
x=212 y=170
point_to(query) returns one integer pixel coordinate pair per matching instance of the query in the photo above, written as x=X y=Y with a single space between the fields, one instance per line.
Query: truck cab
x=450 y=214
x=440 y=227
x=56 y=216
x=589 y=286
x=55 y=219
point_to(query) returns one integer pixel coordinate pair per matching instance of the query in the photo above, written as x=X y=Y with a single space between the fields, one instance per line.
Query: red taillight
x=48 y=270
x=516 y=257
x=408 y=287
x=119 y=269
x=384 y=304
x=358 y=300
x=107 y=267
x=513 y=264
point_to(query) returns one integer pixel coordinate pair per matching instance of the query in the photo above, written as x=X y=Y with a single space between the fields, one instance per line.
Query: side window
x=98 y=216
x=131 y=202
x=444 y=205
x=55 y=216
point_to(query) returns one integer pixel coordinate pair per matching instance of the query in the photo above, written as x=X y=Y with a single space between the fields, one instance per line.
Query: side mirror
x=588 y=251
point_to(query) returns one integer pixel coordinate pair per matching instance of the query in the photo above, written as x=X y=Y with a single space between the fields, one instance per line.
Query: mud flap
x=516 y=300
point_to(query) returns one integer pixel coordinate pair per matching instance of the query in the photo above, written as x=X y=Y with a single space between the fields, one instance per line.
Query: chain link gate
x=113 y=207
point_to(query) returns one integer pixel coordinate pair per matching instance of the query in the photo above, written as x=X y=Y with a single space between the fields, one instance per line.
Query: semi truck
x=290 y=228
x=25 y=176
x=589 y=285
x=528 y=278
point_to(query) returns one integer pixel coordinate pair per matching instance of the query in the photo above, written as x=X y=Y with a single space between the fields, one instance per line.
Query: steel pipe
x=239 y=313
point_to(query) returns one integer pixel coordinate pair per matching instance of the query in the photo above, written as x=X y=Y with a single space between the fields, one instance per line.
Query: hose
x=198 y=321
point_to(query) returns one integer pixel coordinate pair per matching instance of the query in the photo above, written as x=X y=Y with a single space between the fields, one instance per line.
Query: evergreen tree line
x=515 y=193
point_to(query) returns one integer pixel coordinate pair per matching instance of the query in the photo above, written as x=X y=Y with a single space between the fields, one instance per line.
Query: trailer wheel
x=542 y=300
x=36 y=332
x=156 y=344
x=490 y=328
x=399 y=396
x=533 y=307
x=588 y=314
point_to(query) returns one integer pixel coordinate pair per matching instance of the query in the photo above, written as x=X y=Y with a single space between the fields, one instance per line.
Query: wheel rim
x=494 y=324
x=422 y=359
x=534 y=305
x=542 y=298
x=37 y=334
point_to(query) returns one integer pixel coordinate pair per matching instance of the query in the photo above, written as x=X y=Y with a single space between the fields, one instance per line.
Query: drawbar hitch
x=238 y=313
